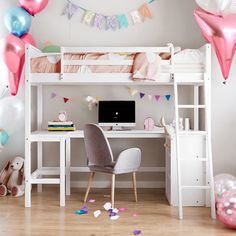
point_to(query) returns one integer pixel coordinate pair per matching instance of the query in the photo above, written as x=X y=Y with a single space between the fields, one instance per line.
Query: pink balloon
x=226 y=209
x=33 y=6
x=27 y=38
x=221 y=33
x=13 y=49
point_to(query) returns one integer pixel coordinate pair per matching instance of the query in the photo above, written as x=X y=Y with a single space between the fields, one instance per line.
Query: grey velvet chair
x=100 y=159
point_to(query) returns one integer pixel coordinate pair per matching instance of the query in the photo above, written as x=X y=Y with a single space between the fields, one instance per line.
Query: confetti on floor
x=135 y=215
x=82 y=211
x=92 y=200
x=116 y=217
x=107 y=206
x=97 y=213
x=137 y=232
x=122 y=209
x=107 y=196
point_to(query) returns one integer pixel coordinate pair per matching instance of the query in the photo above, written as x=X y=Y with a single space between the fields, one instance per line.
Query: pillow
x=146 y=66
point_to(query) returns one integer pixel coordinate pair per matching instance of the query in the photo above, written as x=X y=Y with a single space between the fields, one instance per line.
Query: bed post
x=27 y=127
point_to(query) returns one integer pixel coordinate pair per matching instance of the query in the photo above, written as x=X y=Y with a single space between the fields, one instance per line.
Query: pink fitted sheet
x=52 y=64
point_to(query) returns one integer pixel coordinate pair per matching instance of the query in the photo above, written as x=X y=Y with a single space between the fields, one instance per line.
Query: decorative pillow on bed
x=146 y=66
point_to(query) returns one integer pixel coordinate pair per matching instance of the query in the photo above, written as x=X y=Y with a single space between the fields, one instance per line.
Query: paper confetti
x=97 y=213
x=116 y=217
x=107 y=196
x=107 y=206
x=137 y=232
x=122 y=209
x=135 y=215
x=115 y=210
x=82 y=211
x=92 y=200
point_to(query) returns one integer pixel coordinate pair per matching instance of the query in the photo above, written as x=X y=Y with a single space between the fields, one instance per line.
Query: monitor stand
x=120 y=128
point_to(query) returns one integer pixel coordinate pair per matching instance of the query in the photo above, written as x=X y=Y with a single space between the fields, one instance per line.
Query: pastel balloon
x=223 y=183
x=28 y=39
x=17 y=21
x=11 y=114
x=226 y=210
x=217 y=7
x=33 y=6
x=3 y=137
x=13 y=49
x=221 y=33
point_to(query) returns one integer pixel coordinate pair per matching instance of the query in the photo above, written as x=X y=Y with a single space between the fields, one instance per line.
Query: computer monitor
x=117 y=114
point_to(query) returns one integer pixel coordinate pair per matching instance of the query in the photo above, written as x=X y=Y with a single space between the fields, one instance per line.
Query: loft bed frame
x=171 y=74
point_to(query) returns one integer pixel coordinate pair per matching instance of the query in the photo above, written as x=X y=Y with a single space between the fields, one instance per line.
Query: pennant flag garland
x=141 y=94
x=150 y=96
x=113 y=22
x=53 y=95
x=66 y=100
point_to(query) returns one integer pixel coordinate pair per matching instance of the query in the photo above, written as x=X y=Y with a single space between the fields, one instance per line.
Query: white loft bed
x=171 y=74
x=181 y=70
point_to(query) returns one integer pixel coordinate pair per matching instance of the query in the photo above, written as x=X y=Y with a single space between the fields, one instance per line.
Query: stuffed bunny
x=12 y=178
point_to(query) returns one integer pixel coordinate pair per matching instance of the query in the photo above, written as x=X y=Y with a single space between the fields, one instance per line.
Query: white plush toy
x=13 y=175
x=168 y=128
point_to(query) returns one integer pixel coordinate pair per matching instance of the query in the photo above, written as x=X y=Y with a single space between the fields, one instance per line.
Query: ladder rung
x=196 y=187
x=193 y=132
x=194 y=159
x=191 y=106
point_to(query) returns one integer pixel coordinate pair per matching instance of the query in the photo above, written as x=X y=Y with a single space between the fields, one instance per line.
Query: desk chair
x=100 y=159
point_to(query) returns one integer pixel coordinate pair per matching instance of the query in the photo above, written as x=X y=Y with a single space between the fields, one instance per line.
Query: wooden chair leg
x=113 y=179
x=91 y=176
x=135 y=187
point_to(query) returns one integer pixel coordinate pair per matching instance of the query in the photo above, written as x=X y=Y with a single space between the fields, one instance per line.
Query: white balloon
x=11 y=114
x=216 y=7
x=232 y=8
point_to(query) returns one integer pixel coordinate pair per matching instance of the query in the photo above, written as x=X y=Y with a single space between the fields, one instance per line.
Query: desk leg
x=39 y=162
x=62 y=172
x=27 y=173
x=68 y=163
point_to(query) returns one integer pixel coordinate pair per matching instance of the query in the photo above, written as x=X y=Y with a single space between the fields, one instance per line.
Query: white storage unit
x=193 y=157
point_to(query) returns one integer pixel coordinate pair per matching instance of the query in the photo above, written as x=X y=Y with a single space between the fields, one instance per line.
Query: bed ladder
x=209 y=183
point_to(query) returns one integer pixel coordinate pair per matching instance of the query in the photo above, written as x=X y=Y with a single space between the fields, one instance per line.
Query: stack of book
x=61 y=126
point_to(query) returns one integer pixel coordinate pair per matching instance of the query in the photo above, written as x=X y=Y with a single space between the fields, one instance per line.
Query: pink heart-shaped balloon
x=33 y=6
x=13 y=49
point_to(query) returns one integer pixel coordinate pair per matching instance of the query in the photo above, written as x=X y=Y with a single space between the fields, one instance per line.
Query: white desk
x=49 y=136
x=109 y=134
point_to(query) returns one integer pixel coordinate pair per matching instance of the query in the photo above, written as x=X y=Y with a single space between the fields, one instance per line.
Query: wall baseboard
x=119 y=184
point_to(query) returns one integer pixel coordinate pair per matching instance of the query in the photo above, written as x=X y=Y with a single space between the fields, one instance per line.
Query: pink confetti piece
x=122 y=209
x=135 y=215
x=92 y=200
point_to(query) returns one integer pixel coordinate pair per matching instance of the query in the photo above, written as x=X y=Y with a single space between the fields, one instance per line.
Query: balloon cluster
x=18 y=22
x=217 y=21
x=225 y=191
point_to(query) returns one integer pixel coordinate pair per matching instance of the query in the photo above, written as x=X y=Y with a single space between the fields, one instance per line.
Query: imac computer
x=116 y=114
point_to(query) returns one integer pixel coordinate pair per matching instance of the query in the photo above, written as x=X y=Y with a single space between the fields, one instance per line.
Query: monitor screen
x=116 y=113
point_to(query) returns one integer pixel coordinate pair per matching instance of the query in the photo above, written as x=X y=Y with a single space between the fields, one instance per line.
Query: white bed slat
x=98 y=62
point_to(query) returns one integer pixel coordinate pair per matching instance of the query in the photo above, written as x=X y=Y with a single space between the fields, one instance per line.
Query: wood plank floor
x=154 y=216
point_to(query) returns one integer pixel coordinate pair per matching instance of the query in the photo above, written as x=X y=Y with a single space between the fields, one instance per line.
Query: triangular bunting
x=53 y=95
x=133 y=91
x=70 y=10
x=150 y=97
x=168 y=97
x=157 y=97
x=141 y=94
x=65 y=99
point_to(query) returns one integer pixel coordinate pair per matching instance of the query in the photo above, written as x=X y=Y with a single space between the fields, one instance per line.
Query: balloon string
x=4 y=91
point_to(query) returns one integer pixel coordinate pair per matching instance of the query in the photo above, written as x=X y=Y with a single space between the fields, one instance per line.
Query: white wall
x=173 y=21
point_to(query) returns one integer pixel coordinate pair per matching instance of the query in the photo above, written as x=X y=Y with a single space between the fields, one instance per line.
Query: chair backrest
x=97 y=146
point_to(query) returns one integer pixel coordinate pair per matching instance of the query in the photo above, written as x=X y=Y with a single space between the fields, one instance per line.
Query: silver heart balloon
x=216 y=7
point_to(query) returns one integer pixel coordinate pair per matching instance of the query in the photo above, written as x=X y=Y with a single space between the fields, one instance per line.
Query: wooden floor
x=154 y=216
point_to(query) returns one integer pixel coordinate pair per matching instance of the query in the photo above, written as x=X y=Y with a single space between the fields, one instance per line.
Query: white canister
x=186 y=124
